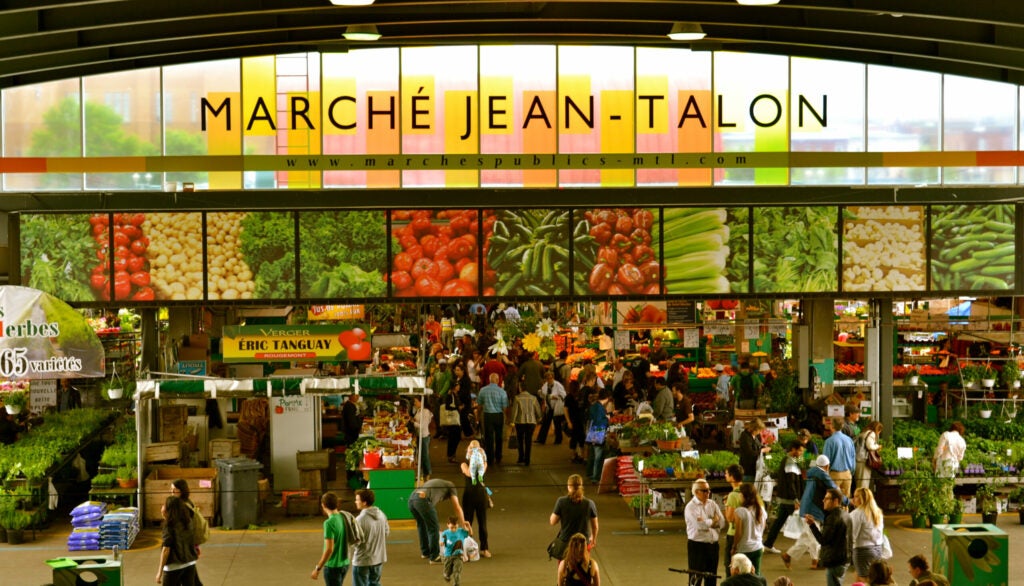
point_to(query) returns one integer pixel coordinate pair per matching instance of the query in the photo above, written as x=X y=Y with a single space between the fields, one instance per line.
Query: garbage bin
x=102 y=570
x=971 y=554
x=239 y=491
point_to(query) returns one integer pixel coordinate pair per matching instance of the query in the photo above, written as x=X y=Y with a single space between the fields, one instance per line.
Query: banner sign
x=269 y=343
x=335 y=312
x=41 y=337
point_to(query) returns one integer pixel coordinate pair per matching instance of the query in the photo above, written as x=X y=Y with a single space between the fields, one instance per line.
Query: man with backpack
x=746 y=387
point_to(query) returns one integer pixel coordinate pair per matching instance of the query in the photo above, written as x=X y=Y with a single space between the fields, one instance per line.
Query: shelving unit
x=121 y=353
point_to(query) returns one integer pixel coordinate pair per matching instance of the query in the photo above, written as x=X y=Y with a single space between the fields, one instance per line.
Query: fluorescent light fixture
x=361 y=32
x=351 y=2
x=757 y=2
x=686 y=31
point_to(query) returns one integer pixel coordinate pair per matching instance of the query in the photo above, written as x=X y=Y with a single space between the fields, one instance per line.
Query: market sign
x=41 y=337
x=335 y=312
x=266 y=343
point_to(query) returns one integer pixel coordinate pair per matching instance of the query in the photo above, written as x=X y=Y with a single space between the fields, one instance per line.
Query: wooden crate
x=225 y=448
x=315 y=460
x=162 y=452
x=312 y=480
x=202 y=484
x=173 y=423
x=303 y=505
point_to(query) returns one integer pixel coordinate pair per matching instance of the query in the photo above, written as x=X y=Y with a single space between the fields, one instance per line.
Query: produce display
x=529 y=253
x=696 y=250
x=615 y=252
x=391 y=438
x=267 y=245
x=972 y=247
x=796 y=249
x=175 y=254
x=437 y=253
x=59 y=255
x=883 y=248
x=342 y=254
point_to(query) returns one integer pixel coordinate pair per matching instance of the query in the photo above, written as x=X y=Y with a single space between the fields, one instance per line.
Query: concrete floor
x=285 y=551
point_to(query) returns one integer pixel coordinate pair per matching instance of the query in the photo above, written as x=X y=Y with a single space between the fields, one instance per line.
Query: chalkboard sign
x=682 y=311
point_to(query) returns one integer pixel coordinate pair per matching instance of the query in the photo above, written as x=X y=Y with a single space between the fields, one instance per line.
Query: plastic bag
x=472 y=549
x=793 y=526
x=886 y=548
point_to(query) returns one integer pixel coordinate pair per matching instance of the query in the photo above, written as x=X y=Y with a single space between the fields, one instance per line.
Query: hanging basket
x=115 y=393
x=985 y=413
x=988 y=383
x=13 y=409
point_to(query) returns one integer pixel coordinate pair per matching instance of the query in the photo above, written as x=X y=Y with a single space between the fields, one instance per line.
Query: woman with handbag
x=178 y=553
x=596 y=429
x=574 y=514
x=475 y=502
x=867 y=538
x=867 y=448
x=452 y=423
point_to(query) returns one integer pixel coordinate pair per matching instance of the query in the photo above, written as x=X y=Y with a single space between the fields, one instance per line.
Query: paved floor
x=285 y=552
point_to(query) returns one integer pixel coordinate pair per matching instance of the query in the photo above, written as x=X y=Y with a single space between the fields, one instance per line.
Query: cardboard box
x=198 y=341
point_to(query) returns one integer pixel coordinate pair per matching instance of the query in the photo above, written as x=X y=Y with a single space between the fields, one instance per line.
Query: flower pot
x=957 y=518
x=13 y=409
x=988 y=383
x=938 y=519
x=115 y=393
x=919 y=521
x=670 y=445
x=15 y=536
x=969 y=384
x=1020 y=516
x=985 y=413
x=989 y=518
x=128 y=482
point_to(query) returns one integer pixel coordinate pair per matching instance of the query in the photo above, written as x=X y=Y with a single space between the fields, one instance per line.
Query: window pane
x=835 y=126
x=43 y=120
x=119 y=123
x=978 y=116
x=904 y=113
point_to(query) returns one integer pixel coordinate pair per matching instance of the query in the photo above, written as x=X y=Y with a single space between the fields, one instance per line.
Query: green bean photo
x=972 y=247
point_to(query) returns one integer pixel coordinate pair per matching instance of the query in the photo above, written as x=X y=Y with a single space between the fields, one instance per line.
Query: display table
x=114 y=494
x=392 y=487
x=682 y=486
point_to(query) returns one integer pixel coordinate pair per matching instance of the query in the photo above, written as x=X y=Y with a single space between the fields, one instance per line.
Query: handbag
x=513 y=442
x=595 y=435
x=557 y=547
x=450 y=416
x=886 y=548
x=874 y=460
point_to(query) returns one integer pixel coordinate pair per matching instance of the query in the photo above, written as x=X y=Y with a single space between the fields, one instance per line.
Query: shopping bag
x=472 y=549
x=595 y=434
x=886 y=548
x=794 y=526
x=513 y=443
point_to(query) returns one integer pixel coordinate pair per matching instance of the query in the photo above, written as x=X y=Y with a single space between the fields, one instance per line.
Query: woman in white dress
x=950 y=451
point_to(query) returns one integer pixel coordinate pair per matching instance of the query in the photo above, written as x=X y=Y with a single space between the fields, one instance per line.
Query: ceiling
x=43 y=40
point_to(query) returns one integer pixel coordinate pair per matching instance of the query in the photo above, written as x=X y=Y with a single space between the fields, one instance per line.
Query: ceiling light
x=757 y=2
x=686 y=31
x=361 y=32
x=351 y=2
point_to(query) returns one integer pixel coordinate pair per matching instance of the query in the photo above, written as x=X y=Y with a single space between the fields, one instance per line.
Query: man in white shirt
x=703 y=522
x=552 y=396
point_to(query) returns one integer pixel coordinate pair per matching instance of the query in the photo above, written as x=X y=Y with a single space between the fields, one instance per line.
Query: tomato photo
x=437 y=251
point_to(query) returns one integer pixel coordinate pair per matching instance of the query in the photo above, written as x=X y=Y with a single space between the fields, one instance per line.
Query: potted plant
x=916 y=487
x=985 y=407
x=957 y=515
x=939 y=501
x=970 y=374
x=16 y=522
x=988 y=376
x=912 y=377
x=15 y=401
x=1010 y=376
x=987 y=504
x=127 y=477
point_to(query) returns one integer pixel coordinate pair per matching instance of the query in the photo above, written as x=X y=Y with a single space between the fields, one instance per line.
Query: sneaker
x=771 y=550
x=485 y=553
x=786 y=560
x=447 y=578
x=437 y=560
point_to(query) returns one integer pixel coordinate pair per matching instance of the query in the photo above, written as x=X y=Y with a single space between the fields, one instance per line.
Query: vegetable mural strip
x=972 y=247
x=796 y=249
x=436 y=253
x=883 y=248
x=696 y=250
x=175 y=254
x=617 y=252
x=529 y=253
x=268 y=246
x=342 y=254
x=229 y=276
x=132 y=278
x=59 y=255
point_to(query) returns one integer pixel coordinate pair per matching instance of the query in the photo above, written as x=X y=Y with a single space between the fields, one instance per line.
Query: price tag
x=691 y=338
x=42 y=394
x=622 y=340
x=751 y=330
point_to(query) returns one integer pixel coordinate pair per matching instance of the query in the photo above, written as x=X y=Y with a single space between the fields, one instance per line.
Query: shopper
x=451 y=421
x=879 y=574
x=178 y=553
x=841 y=455
x=598 y=421
x=835 y=537
x=921 y=573
x=851 y=427
x=746 y=387
x=812 y=503
x=493 y=402
x=950 y=451
x=734 y=476
x=463 y=386
x=626 y=393
x=577 y=569
x=440 y=382
x=576 y=415
x=574 y=513
x=743 y=573
x=422 y=418
x=531 y=374
x=423 y=506
x=867 y=442
x=351 y=419
x=683 y=406
x=370 y=554
x=868 y=525
x=552 y=393
x=454 y=551
x=704 y=521
x=180 y=489
x=334 y=560
x=789 y=488
x=751 y=449
x=526 y=412
x=663 y=403
x=750 y=521
x=475 y=502
x=724 y=397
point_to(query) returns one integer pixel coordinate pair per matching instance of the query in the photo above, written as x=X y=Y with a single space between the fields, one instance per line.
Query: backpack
x=748 y=390
x=354 y=534
x=200 y=527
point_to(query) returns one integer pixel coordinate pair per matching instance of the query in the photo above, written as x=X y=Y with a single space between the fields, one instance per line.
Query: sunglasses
x=703 y=490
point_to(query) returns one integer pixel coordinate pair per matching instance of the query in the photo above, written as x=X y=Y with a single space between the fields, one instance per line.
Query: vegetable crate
x=315 y=460
x=311 y=480
x=163 y=451
x=202 y=484
x=173 y=422
x=225 y=448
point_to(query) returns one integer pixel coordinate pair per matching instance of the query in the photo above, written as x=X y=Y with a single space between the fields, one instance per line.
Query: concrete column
x=882 y=313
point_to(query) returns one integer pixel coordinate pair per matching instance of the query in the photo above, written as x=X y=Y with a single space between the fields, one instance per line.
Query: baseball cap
x=765 y=367
x=822 y=461
x=719 y=368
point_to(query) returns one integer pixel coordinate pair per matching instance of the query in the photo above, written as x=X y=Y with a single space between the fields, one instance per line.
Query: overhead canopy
x=279 y=387
x=44 y=41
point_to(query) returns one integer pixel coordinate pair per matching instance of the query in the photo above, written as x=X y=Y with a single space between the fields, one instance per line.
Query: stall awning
x=279 y=386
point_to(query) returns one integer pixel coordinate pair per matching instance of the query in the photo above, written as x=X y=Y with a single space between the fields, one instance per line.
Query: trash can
x=971 y=554
x=102 y=570
x=239 y=491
